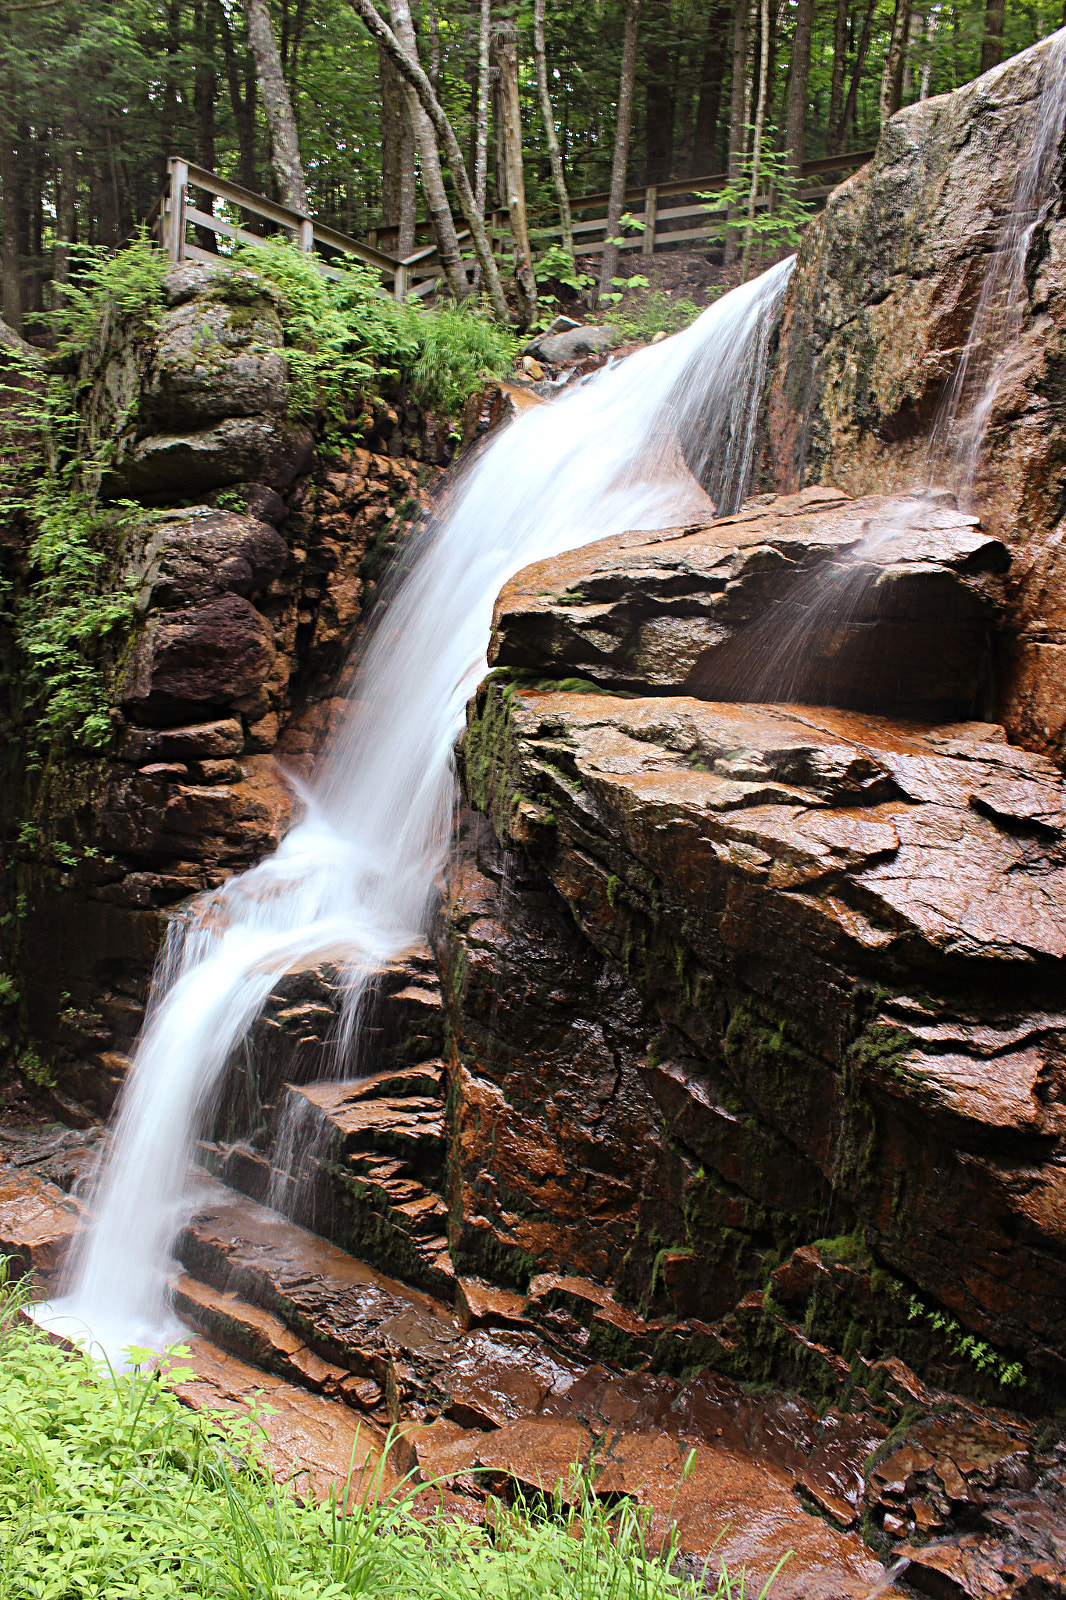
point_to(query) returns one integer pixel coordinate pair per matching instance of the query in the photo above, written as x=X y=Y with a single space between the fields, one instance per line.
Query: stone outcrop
x=246 y=605
x=750 y=607
x=877 y=313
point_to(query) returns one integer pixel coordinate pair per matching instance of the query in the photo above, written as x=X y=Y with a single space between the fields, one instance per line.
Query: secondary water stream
x=354 y=880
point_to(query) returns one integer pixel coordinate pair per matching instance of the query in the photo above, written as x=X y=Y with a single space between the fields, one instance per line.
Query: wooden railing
x=421 y=271
x=657 y=232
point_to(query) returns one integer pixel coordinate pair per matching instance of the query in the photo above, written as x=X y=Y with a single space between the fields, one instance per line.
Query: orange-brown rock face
x=826 y=950
x=878 y=310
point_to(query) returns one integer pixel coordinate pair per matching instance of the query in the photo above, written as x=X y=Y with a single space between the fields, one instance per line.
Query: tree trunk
x=554 y=155
x=398 y=193
x=9 y=249
x=992 y=43
x=506 y=53
x=440 y=212
x=412 y=72
x=659 y=102
x=481 y=144
x=204 y=90
x=66 y=213
x=709 y=103
x=796 y=115
x=738 y=119
x=895 y=60
x=284 y=143
x=620 y=161
x=927 y=69
x=836 y=82
x=756 y=143
x=243 y=103
x=856 y=78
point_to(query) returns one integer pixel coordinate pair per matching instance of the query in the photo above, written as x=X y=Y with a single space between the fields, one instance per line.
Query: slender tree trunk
x=895 y=60
x=836 y=82
x=927 y=69
x=756 y=143
x=796 y=115
x=659 y=99
x=243 y=102
x=856 y=78
x=620 y=161
x=434 y=44
x=440 y=212
x=66 y=213
x=284 y=143
x=398 y=189
x=506 y=53
x=205 y=88
x=992 y=43
x=12 y=288
x=554 y=154
x=481 y=135
x=738 y=119
x=709 y=101
x=168 y=122
x=412 y=71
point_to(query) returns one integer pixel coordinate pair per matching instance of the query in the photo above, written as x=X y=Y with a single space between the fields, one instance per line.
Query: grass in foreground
x=110 y=1486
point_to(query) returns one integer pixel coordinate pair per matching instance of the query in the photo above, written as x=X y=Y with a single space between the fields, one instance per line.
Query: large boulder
x=878 y=311
x=213 y=360
x=877 y=603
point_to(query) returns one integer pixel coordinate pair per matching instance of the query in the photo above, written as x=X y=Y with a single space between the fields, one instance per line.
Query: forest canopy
x=97 y=97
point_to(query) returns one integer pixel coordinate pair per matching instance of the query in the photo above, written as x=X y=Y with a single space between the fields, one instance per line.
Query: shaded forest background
x=96 y=97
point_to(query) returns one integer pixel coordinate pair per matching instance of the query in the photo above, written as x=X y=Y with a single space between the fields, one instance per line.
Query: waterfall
x=957 y=436
x=355 y=879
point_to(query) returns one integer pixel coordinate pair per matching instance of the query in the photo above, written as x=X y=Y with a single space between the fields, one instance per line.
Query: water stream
x=354 y=880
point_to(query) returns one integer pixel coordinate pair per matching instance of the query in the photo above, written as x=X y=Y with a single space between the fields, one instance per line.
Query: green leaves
x=110 y=1487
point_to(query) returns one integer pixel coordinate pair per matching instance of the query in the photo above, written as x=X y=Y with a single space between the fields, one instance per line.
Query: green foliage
x=110 y=1487
x=780 y=215
x=104 y=284
x=654 y=313
x=35 y=1072
x=343 y=335
x=1008 y=1374
x=69 y=621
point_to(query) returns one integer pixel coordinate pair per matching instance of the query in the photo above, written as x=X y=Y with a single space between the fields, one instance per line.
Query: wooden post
x=651 y=210
x=305 y=235
x=175 y=213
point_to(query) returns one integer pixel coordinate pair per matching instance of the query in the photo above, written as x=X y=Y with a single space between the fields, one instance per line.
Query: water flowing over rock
x=878 y=313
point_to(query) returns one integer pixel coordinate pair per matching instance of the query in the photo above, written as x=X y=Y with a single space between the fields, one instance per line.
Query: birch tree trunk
x=796 y=116
x=481 y=136
x=411 y=70
x=554 y=154
x=738 y=119
x=616 y=204
x=397 y=157
x=284 y=143
x=440 y=212
x=506 y=54
x=756 y=143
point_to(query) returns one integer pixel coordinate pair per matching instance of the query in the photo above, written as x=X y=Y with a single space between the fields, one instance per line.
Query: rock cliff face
x=729 y=981
x=878 y=311
x=258 y=548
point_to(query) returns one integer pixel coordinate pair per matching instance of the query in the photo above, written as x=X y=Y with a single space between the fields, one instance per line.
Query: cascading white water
x=354 y=880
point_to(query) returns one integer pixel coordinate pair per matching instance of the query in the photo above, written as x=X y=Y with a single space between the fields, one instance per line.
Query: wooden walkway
x=663 y=227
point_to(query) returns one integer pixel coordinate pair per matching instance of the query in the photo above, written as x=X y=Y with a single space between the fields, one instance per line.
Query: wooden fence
x=663 y=227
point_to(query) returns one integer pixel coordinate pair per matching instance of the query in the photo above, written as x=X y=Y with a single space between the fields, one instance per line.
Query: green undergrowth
x=110 y=1486
x=342 y=333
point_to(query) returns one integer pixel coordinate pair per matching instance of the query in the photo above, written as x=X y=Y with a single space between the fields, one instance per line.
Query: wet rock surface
x=873 y=603
x=854 y=942
x=877 y=313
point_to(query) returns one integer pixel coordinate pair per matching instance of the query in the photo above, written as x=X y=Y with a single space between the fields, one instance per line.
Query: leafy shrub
x=110 y=1487
x=124 y=283
x=343 y=334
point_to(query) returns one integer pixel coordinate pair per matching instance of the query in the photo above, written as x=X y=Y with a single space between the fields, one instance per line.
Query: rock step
x=370 y=1170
